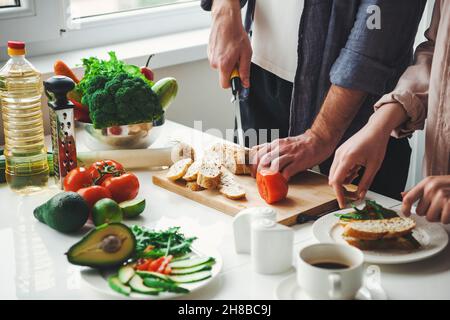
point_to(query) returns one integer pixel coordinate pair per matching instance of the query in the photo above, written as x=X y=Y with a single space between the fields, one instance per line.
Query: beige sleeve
x=412 y=88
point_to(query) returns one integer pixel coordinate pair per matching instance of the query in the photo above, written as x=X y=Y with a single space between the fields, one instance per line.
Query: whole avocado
x=66 y=212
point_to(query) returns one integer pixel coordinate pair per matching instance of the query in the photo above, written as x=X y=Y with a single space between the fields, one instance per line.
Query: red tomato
x=76 y=179
x=154 y=265
x=102 y=170
x=144 y=265
x=167 y=270
x=272 y=186
x=164 y=264
x=94 y=193
x=123 y=188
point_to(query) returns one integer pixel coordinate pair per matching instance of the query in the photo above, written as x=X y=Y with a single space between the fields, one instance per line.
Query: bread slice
x=229 y=187
x=233 y=157
x=401 y=243
x=179 y=169
x=379 y=229
x=182 y=151
x=208 y=175
x=191 y=173
x=193 y=186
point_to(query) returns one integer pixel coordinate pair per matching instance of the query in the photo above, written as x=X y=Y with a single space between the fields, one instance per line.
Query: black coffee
x=330 y=265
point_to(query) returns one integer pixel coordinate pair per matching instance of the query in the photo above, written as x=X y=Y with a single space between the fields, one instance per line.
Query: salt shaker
x=271 y=247
x=269 y=243
x=242 y=223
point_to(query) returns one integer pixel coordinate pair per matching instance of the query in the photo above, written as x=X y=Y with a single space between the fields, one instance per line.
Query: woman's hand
x=365 y=149
x=433 y=194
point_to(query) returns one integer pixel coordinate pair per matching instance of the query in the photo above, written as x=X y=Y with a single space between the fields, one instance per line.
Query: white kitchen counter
x=33 y=264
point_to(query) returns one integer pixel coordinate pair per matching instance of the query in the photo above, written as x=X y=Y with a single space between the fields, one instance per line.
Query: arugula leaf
x=170 y=241
x=371 y=211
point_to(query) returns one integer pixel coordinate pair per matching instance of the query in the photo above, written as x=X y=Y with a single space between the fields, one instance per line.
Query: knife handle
x=235 y=82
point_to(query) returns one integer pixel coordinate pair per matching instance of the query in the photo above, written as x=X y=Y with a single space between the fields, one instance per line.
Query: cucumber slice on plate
x=155 y=275
x=164 y=285
x=132 y=208
x=193 y=277
x=125 y=274
x=189 y=263
x=137 y=284
x=202 y=267
x=118 y=286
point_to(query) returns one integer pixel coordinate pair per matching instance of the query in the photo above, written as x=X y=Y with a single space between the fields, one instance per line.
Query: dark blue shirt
x=336 y=46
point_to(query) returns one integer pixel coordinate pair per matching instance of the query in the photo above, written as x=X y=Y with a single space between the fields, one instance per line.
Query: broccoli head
x=120 y=100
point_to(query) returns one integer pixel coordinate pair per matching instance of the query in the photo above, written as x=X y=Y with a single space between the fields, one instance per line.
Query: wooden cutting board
x=309 y=194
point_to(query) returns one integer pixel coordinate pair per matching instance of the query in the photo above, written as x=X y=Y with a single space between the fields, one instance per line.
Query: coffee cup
x=330 y=271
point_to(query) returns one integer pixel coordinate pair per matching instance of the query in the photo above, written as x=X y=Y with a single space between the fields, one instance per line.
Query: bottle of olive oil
x=20 y=99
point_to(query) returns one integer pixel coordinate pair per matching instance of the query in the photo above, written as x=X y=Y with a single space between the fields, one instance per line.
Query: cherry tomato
x=144 y=265
x=154 y=265
x=164 y=264
x=167 y=270
x=123 y=188
x=94 y=193
x=272 y=186
x=104 y=169
x=76 y=179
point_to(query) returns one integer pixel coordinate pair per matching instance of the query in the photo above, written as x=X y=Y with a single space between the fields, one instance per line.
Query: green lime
x=132 y=208
x=106 y=211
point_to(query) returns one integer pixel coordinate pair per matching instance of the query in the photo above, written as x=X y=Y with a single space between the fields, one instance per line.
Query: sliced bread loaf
x=379 y=229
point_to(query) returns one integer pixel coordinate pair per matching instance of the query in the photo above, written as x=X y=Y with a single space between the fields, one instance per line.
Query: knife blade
x=236 y=86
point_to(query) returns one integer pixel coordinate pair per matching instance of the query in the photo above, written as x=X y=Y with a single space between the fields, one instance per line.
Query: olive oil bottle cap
x=16 y=48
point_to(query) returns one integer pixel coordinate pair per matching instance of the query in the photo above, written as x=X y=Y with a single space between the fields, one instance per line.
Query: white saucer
x=288 y=289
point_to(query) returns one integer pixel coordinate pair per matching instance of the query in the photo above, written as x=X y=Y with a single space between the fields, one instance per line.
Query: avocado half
x=106 y=246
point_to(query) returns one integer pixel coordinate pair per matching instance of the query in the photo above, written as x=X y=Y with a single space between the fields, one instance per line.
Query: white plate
x=288 y=289
x=432 y=237
x=97 y=280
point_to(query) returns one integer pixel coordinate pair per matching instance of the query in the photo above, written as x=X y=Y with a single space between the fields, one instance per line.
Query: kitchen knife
x=236 y=86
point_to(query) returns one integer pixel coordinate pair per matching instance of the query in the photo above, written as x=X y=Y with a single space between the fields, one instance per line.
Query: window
x=50 y=26
x=9 y=4
x=88 y=8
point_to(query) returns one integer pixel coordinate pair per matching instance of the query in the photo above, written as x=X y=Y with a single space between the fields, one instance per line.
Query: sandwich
x=377 y=228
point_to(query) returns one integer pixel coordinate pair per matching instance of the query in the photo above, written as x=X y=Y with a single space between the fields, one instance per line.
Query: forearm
x=338 y=110
x=388 y=118
x=225 y=7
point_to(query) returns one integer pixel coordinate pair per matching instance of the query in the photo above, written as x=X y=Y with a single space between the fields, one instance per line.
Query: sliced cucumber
x=154 y=275
x=132 y=208
x=125 y=274
x=118 y=286
x=165 y=286
x=193 y=277
x=189 y=263
x=137 y=284
x=202 y=267
x=182 y=257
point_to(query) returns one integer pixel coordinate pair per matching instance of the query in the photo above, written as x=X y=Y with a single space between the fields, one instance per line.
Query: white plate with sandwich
x=383 y=234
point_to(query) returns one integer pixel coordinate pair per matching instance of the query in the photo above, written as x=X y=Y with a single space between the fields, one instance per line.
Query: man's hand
x=229 y=45
x=433 y=194
x=291 y=155
x=365 y=149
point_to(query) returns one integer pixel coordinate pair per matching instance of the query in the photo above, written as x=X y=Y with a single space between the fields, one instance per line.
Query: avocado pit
x=111 y=243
